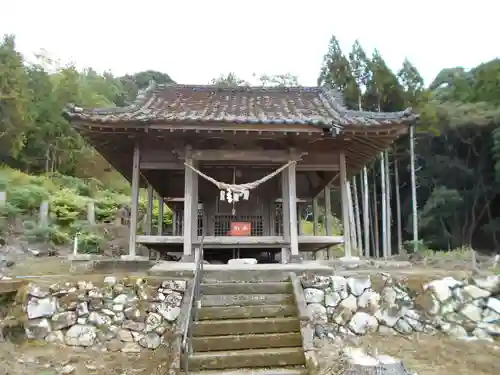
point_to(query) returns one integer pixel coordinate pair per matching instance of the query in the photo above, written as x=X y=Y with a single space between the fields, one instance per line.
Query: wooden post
x=398 y=205
x=292 y=193
x=188 y=209
x=357 y=216
x=320 y=254
x=384 y=205
x=91 y=212
x=315 y=216
x=174 y=223
x=44 y=214
x=194 y=207
x=352 y=226
x=285 y=209
x=161 y=208
x=328 y=218
x=345 y=205
x=413 y=190
x=299 y=219
x=376 y=231
x=388 y=206
x=149 y=211
x=135 y=201
x=3 y=198
x=366 y=212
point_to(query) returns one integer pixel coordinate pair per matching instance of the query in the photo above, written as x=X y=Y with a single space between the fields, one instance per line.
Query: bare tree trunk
x=388 y=204
x=398 y=206
x=413 y=189
x=357 y=215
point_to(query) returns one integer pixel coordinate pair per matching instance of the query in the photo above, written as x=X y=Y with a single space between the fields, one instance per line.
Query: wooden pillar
x=174 y=221
x=315 y=216
x=188 y=209
x=366 y=212
x=135 y=201
x=161 y=208
x=398 y=205
x=195 y=208
x=328 y=218
x=388 y=204
x=352 y=227
x=345 y=205
x=384 y=205
x=292 y=193
x=149 y=211
x=357 y=216
x=285 y=209
x=414 y=213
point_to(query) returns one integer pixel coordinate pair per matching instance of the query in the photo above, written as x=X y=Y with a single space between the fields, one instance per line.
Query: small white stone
x=314 y=295
x=362 y=323
x=357 y=285
x=317 y=312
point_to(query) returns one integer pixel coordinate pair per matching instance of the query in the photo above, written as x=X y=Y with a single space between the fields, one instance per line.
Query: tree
x=335 y=71
x=279 y=80
x=229 y=80
x=360 y=68
x=412 y=82
x=15 y=97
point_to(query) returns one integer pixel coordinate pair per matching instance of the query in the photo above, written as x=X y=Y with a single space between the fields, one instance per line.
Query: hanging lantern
x=222 y=195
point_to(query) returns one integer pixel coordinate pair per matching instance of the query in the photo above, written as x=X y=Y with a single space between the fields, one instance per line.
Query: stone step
x=246 y=299
x=251 y=358
x=252 y=371
x=243 y=276
x=245 y=326
x=240 y=342
x=246 y=312
x=247 y=288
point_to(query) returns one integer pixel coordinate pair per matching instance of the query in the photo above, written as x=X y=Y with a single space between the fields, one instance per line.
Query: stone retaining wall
x=462 y=308
x=121 y=315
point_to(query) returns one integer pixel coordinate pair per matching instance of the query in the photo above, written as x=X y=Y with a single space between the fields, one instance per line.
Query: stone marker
x=242 y=261
x=358 y=362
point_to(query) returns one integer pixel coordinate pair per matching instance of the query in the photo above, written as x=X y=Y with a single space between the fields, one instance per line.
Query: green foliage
x=68 y=198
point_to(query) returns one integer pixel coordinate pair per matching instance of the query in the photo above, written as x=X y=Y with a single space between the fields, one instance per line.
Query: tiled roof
x=250 y=105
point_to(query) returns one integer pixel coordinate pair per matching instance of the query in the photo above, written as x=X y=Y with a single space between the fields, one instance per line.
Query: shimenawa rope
x=241 y=188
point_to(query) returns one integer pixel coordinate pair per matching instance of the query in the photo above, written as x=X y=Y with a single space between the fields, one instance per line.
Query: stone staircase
x=249 y=327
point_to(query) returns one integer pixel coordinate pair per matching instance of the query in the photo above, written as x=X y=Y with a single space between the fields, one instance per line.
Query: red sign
x=240 y=228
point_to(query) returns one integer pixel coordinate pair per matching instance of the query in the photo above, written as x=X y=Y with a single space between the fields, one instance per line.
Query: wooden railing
x=193 y=307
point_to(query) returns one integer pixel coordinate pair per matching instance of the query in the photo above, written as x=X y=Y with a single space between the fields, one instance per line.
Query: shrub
x=49 y=234
x=66 y=207
x=27 y=199
x=90 y=243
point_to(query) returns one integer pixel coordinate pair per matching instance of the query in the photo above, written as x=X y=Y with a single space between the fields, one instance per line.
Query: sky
x=197 y=40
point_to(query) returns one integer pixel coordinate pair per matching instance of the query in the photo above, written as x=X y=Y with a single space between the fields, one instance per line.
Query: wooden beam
x=161 y=165
x=327 y=180
x=246 y=155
